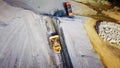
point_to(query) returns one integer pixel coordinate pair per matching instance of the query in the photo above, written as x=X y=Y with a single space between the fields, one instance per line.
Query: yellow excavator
x=54 y=43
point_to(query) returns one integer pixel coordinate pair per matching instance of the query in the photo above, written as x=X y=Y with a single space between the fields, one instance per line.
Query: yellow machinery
x=55 y=44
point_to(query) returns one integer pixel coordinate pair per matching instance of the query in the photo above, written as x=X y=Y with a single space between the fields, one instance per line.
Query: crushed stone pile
x=109 y=31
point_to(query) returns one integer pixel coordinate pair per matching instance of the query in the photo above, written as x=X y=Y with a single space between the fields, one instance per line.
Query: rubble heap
x=109 y=31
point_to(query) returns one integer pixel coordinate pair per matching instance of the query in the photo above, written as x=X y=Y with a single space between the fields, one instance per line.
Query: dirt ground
x=104 y=10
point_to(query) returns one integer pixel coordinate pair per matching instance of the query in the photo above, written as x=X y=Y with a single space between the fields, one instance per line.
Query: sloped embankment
x=23 y=39
x=107 y=53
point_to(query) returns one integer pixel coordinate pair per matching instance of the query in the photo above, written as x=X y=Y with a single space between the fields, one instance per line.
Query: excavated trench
x=62 y=59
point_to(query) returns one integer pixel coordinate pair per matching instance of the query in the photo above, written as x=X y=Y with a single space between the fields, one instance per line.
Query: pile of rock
x=109 y=31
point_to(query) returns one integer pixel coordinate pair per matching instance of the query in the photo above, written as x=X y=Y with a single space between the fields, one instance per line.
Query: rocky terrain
x=109 y=31
x=24 y=33
x=25 y=26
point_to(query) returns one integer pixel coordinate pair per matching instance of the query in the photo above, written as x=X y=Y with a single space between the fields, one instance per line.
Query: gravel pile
x=109 y=31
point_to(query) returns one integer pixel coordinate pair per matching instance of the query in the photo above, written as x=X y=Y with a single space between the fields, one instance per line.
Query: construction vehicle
x=68 y=9
x=54 y=43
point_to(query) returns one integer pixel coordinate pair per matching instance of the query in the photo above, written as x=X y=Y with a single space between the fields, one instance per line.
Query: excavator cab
x=55 y=44
x=68 y=9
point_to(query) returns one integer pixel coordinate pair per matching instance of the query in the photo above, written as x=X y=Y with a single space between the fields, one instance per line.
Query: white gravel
x=24 y=44
x=23 y=39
